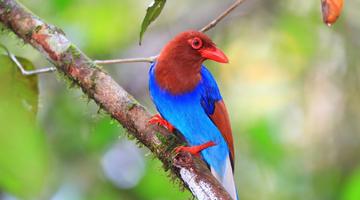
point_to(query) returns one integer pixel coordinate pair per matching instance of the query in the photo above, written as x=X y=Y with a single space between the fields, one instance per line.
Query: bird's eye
x=196 y=43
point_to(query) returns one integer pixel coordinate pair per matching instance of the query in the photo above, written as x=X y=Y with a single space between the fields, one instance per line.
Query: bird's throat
x=177 y=79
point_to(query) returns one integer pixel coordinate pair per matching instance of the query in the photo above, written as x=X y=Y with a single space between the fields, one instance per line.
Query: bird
x=188 y=99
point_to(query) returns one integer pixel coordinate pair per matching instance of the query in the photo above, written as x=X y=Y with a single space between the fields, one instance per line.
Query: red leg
x=157 y=119
x=195 y=149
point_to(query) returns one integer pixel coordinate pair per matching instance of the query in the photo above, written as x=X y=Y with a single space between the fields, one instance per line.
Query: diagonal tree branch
x=100 y=87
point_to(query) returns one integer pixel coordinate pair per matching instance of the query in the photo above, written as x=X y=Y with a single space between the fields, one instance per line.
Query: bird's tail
x=228 y=179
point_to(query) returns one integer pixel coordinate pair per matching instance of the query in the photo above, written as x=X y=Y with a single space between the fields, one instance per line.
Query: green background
x=292 y=88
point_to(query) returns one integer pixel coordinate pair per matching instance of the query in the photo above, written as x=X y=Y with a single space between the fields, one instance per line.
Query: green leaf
x=152 y=12
x=23 y=153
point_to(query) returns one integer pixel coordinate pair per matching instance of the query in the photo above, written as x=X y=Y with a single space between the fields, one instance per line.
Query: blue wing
x=215 y=108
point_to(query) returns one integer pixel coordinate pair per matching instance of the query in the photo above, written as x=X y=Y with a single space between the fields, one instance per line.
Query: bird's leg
x=157 y=119
x=195 y=150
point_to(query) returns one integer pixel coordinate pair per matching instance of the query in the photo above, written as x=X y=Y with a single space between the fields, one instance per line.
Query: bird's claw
x=157 y=119
x=194 y=150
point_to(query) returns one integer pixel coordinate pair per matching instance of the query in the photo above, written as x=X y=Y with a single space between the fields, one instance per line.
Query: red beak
x=215 y=54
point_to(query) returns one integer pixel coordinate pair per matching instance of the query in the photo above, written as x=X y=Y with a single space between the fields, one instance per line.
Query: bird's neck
x=177 y=77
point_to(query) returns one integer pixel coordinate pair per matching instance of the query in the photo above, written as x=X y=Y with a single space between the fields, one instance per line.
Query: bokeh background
x=292 y=88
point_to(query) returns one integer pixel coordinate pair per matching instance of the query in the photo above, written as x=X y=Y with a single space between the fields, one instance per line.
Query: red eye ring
x=196 y=43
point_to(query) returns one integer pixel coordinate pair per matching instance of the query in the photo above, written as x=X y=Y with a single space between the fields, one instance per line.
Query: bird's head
x=191 y=48
x=178 y=66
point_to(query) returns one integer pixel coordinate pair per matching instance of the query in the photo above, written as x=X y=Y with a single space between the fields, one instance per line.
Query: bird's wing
x=215 y=108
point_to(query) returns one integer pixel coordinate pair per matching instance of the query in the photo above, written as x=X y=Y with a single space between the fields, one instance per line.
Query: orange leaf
x=331 y=10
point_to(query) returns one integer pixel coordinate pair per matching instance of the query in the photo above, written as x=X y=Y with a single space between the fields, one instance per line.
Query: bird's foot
x=194 y=150
x=157 y=119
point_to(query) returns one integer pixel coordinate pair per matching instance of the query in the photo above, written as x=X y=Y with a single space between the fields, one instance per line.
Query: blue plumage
x=189 y=113
x=187 y=97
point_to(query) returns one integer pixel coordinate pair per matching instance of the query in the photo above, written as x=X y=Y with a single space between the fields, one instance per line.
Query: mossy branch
x=99 y=86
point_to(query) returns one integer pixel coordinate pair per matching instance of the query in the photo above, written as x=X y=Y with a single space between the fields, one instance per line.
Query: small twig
x=126 y=60
x=52 y=69
x=30 y=72
x=21 y=67
x=221 y=16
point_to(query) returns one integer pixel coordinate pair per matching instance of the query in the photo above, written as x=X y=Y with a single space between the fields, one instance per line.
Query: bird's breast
x=176 y=81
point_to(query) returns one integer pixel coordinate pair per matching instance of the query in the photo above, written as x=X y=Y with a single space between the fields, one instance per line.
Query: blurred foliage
x=351 y=191
x=24 y=160
x=292 y=88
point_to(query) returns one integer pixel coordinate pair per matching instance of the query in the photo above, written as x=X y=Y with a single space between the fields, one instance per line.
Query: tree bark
x=100 y=87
